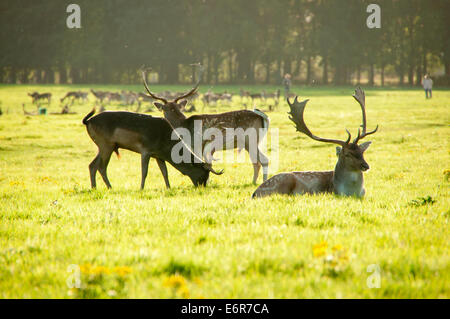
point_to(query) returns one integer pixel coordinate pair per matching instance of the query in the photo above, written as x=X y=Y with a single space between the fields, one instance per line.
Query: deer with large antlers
x=239 y=121
x=347 y=177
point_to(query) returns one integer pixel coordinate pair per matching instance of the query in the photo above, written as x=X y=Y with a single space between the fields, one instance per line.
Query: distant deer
x=73 y=95
x=36 y=97
x=347 y=177
x=99 y=95
x=140 y=133
x=236 y=119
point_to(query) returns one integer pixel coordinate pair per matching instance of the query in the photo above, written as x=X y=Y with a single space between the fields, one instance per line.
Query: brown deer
x=144 y=134
x=347 y=177
x=243 y=119
x=99 y=95
x=44 y=96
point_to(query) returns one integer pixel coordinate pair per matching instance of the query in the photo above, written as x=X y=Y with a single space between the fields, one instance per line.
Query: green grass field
x=216 y=242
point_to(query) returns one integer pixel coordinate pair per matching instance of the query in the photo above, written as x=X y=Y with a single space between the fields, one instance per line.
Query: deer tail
x=86 y=118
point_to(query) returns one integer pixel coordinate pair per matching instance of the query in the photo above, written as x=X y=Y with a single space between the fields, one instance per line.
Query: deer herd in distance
x=156 y=137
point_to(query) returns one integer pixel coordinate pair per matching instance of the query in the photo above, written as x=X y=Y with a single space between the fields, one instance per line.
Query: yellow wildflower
x=183 y=291
x=320 y=249
x=122 y=271
x=174 y=281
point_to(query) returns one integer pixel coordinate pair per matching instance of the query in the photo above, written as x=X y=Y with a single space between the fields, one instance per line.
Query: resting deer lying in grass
x=347 y=177
x=140 y=133
x=255 y=120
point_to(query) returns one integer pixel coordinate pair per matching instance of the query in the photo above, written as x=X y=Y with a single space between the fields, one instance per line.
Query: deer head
x=172 y=109
x=350 y=154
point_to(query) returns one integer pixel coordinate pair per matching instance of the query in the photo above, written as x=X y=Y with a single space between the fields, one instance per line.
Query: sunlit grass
x=216 y=242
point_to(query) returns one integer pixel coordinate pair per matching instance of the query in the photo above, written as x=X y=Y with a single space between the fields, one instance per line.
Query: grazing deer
x=347 y=177
x=242 y=119
x=99 y=95
x=113 y=96
x=73 y=95
x=36 y=97
x=140 y=133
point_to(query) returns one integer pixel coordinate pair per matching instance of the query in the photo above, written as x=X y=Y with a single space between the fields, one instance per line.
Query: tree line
x=237 y=41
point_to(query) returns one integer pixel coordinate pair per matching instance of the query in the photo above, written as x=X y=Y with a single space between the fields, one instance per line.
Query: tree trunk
x=297 y=70
x=279 y=75
x=267 y=73
x=308 y=70
x=216 y=69
x=287 y=66
x=13 y=75
x=371 y=75
x=411 y=75
x=358 y=74
x=252 y=73
x=230 y=66
x=208 y=69
x=418 y=74
x=49 y=76
x=172 y=73
x=62 y=75
x=24 y=76
x=425 y=64
x=75 y=75
x=325 y=72
x=382 y=74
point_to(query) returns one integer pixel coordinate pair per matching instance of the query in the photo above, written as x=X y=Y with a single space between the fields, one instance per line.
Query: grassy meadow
x=215 y=241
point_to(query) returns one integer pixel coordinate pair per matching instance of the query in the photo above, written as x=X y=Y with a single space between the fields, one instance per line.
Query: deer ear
x=338 y=150
x=364 y=146
x=159 y=106
x=183 y=104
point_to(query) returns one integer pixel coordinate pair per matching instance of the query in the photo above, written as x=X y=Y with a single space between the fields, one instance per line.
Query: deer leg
x=105 y=156
x=256 y=168
x=145 y=158
x=258 y=159
x=264 y=161
x=93 y=167
x=163 y=168
x=255 y=162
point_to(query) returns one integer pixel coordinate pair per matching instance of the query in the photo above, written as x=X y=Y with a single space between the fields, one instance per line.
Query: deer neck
x=347 y=181
x=175 y=118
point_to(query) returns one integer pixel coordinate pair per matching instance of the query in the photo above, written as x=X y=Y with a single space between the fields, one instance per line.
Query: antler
x=144 y=77
x=195 y=88
x=296 y=116
x=361 y=98
x=209 y=168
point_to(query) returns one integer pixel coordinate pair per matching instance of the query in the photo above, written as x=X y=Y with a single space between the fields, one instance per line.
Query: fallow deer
x=347 y=177
x=144 y=134
x=99 y=95
x=242 y=119
x=44 y=96
x=70 y=95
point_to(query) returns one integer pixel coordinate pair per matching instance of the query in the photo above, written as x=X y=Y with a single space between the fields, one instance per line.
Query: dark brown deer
x=347 y=177
x=243 y=119
x=144 y=134
x=44 y=96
